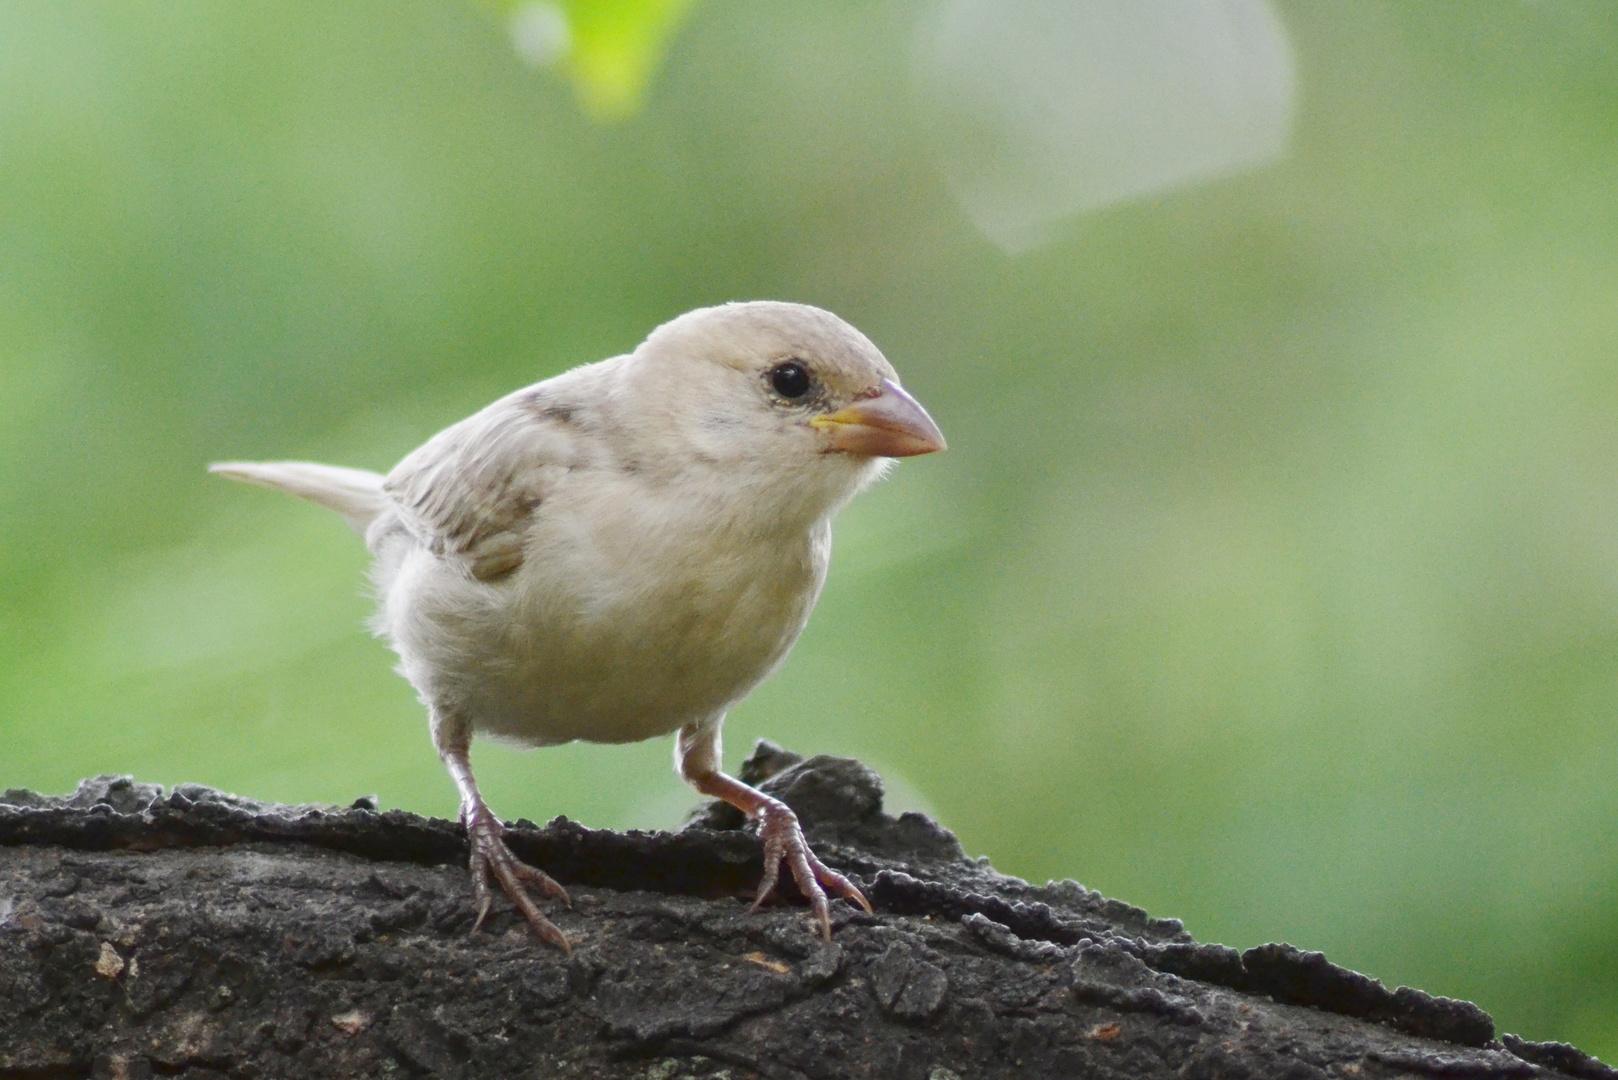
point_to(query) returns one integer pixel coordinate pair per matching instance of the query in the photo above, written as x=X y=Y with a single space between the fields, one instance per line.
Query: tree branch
x=200 y=934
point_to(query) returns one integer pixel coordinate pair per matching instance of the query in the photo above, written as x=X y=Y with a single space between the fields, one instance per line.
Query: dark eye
x=790 y=380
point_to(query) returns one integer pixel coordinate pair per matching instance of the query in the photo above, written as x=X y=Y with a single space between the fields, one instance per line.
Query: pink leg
x=492 y=859
x=697 y=754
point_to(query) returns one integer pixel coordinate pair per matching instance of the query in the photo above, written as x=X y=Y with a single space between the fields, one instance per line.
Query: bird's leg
x=490 y=857
x=696 y=756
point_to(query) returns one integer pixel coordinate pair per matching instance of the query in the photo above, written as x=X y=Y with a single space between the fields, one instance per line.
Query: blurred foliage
x=610 y=48
x=1270 y=581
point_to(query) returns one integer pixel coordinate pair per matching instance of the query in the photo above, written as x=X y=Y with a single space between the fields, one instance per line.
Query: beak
x=889 y=423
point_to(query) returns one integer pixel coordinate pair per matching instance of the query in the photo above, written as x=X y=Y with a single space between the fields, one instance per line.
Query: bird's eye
x=790 y=379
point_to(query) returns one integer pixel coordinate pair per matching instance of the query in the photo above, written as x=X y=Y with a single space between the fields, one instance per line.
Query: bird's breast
x=633 y=612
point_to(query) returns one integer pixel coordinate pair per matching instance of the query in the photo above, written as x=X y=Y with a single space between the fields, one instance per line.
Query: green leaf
x=610 y=49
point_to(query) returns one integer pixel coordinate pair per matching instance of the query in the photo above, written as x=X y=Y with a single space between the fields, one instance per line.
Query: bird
x=625 y=551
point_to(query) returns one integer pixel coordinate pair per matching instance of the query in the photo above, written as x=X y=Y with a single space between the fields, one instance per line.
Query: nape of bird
x=624 y=551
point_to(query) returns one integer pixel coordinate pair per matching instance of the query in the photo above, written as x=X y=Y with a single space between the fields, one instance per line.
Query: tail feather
x=353 y=493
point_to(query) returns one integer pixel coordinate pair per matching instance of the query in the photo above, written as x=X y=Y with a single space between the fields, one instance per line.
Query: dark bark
x=201 y=935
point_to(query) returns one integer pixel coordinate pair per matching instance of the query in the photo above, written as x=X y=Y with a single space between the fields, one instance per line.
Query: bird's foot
x=783 y=841
x=492 y=859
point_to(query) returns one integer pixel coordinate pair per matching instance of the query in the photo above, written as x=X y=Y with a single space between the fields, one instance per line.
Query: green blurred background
x=1271 y=578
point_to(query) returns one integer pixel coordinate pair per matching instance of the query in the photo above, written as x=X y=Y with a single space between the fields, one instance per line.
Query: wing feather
x=470 y=491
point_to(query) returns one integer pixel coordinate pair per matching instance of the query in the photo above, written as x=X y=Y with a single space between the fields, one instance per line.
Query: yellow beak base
x=890 y=423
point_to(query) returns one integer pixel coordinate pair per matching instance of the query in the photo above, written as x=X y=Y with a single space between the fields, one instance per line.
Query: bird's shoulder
x=469 y=491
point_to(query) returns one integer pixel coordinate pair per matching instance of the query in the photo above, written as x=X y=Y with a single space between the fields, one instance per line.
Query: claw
x=783 y=839
x=491 y=858
x=546 y=883
x=696 y=755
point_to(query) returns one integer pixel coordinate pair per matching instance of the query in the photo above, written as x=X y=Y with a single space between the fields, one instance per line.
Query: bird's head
x=777 y=391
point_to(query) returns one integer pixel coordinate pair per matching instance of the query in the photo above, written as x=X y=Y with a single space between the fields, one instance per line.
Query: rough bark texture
x=202 y=935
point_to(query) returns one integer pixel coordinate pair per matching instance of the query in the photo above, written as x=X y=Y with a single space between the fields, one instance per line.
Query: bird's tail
x=353 y=493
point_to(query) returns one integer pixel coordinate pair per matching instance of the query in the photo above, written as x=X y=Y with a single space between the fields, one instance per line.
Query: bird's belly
x=596 y=645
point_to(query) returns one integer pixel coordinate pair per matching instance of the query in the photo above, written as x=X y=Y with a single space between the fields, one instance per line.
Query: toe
x=483 y=913
x=511 y=882
x=842 y=886
x=804 y=874
x=535 y=876
x=491 y=858
x=784 y=840
x=767 y=883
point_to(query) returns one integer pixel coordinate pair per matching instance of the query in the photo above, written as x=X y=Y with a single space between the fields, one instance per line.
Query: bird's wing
x=470 y=490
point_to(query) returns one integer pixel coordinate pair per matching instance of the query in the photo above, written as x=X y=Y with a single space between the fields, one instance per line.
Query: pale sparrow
x=626 y=550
